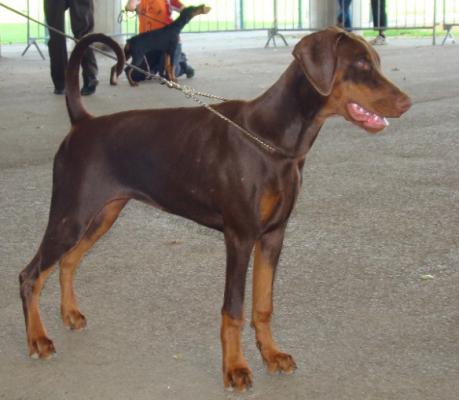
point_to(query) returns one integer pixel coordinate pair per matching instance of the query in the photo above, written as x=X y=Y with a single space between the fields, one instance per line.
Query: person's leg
x=82 y=22
x=54 y=14
x=378 y=9
x=383 y=17
x=344 y=18
x=181 y=63
x=340 y=16
x=347 y=15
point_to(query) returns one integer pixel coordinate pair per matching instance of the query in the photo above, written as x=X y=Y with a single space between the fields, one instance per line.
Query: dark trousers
x=378 y=9
x=344 y=14
x=82 y=22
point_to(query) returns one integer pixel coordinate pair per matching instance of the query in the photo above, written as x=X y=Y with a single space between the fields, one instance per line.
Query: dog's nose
x=403 y=103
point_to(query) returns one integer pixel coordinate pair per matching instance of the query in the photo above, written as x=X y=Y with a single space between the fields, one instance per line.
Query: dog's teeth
x=386 y=122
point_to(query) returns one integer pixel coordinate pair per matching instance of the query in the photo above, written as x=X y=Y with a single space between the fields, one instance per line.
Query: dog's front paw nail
x=41 y=347
x=280 y=362
x=239 y=378
x=74 y=320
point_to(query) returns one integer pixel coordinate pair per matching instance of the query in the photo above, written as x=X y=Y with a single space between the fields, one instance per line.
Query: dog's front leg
x=236 y=372
x=169 y=66
x=267 y=252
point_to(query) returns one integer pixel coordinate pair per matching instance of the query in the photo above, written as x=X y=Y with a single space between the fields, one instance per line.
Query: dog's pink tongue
x=369 y=119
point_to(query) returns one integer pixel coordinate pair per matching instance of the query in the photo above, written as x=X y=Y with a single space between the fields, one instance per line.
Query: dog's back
x=162 y=39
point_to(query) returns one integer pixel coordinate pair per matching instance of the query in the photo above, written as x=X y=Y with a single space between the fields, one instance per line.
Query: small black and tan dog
x=192 y=163
x=164 y=39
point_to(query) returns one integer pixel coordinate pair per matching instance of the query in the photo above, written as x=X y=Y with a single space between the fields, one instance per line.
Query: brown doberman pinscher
x=190 y=162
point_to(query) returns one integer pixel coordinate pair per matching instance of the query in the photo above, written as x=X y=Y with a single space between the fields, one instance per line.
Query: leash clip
x=121 y=16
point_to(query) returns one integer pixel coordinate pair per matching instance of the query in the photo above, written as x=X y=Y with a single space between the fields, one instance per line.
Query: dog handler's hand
x=131 y=5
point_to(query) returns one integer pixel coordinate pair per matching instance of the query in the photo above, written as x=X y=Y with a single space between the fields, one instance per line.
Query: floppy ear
x=317 y=56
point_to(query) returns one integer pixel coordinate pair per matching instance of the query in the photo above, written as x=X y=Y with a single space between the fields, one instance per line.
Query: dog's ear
x=318 y=58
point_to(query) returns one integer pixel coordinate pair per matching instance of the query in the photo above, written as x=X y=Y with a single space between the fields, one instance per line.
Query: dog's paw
x=74 y=320
x=239 y=378
x=280 y=362
x=41 y=347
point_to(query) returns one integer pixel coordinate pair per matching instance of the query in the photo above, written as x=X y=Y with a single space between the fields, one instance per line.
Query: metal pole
x=241 y=15
x=28 y=22
x=434 y=35
x=275 y=14
x=300 y=14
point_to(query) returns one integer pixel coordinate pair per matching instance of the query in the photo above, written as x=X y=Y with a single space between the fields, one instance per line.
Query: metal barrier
x=34 y=31
x=235 y=15
x=13 y=27
x=276 y=16
x=310 y=15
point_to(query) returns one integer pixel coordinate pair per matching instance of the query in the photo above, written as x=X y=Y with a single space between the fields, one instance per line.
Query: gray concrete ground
x=366 y=297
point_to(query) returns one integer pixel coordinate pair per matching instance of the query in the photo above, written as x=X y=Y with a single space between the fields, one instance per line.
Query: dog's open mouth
x=367 y=119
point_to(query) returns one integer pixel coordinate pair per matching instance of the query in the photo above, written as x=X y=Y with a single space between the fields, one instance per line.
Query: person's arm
x=131 y=5
x=177 y=5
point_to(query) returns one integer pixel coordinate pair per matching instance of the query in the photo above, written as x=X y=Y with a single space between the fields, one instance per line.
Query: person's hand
x=131 y=5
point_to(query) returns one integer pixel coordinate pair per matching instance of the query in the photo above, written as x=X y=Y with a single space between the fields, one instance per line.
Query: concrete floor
x=366 y=298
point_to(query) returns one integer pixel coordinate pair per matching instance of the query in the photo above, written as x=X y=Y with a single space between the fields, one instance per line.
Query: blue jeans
x=344 y=14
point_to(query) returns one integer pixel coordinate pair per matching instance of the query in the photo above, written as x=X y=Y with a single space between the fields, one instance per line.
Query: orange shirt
x=158 y=12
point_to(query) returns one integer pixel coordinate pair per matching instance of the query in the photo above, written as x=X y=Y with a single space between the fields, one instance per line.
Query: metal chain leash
x=188 y=91
x=270 y=148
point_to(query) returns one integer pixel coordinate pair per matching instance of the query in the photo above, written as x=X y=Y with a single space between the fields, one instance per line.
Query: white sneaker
x=378 y=41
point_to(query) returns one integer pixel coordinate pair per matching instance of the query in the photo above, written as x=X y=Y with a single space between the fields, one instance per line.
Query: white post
x=323 y=13
x=106 y=17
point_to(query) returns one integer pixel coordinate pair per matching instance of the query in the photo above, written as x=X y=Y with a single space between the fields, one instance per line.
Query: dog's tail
x=75 y=107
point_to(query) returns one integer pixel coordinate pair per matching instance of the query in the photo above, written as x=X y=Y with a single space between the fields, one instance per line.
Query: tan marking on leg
x=113 y=76
x=236 y=372
x=39 y=343
x=268 y=204
x=262 y=307
x=70 y=311
x=170 y=73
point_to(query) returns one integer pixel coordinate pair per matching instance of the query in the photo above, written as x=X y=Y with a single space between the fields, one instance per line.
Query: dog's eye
x=363 y=65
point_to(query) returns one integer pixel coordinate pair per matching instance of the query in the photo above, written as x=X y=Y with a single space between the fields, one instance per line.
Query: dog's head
x=193 y=11
x=344 y=68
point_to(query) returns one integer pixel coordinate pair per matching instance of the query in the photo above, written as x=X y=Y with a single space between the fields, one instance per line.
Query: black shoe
x=59 y=91
x=189 y=72
x=89 y=88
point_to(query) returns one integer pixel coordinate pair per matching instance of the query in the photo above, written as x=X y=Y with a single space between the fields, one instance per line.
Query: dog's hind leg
x=267 y=252
x=61 y=235
x=71 y=315
x=31 y=281
x=113 y=74
x=137 y=59
x=72 y=230
x=80 y=213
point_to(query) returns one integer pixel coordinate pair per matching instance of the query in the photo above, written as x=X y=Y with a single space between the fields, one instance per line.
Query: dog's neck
x=295 y=121
x=181 y=21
